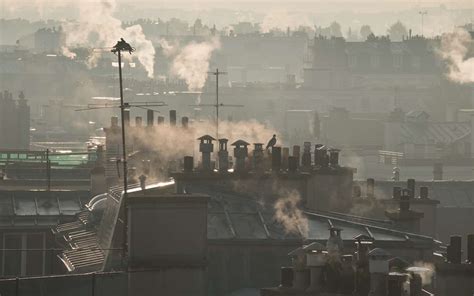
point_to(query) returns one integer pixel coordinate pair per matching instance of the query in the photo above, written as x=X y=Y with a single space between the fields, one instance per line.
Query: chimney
x=315 y=260
x=161 y=120
x=405 y=201
x=416 y=285
x=286 y=277
x=284 y=160
x=206 y=148
x=296 y=154
x=379 y=269
x=411 y=187
x=438 y=171
x=324 y=159
x=240 y=154
x=396 y=192
x=114 y=121
x=276 y=159
x=185 y=122
x=334 y=157
x=424 y=192
x=223 y=155
x=173 y=117
x=454 y=249
x=126 y=117
x=470 y=248
x=138 y=121
x=306 y=159
x=318 y=158
x=370 y=188
x=258 y=165
x=395 y=283
x=188 y=164
x=150 y=117
x=292 y=164
x=301 y=274
x=356 y=191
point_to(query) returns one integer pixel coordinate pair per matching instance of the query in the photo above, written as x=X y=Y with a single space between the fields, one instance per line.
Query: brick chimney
x=161 y=120
x=322 y=153
x=296 y=154
x=276 y=159
x=306 y=158
x=405 y=218
x=150 y=118
x=173 y=117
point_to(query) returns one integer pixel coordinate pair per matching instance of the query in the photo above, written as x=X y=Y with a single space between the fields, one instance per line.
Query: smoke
x=282 y=19
x=454 y=48
x=425 y=270
x=191 y=62
x=97 y=27
x=288 y=213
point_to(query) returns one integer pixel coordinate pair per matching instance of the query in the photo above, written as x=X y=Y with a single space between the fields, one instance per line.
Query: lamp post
x=422 y=13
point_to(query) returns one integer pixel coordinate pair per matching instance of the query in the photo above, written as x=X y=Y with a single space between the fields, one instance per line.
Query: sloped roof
x=434 y=132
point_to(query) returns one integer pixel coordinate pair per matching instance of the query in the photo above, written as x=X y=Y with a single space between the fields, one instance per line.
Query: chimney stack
x=150 y=117
x=206 y=147
x=223 y=156
x=416 y=285
x=424 y=192
x=292 y=164
x=188 y=164
x=411 y=187
x=284 y=161
x=276 y=159
x=161 y=120
x=323 y=154
x=185 y=122
x=114 y=121
x=126 y=117
x=306 y=159
x=318 y=158
x=286 y=277
x=334 y=157
x=173 y=117
x=258 y=157
x=470 y=248
x=315 y=260
x=454 y=249
x=240 y=154
x=296 y=154
x=356 y=191
x=138 y=121
x=379 y=269
x=370 y=188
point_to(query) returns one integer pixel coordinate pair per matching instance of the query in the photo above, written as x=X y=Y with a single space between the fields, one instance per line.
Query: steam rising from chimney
x=454 y=47
x=97 y=27
x=288 y=213
x=191 y=62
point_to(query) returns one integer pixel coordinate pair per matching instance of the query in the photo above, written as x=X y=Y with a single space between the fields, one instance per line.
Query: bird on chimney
x=272 y=142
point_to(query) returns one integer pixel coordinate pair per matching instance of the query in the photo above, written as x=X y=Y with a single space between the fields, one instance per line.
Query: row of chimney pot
x=396 y=191
x=150 y=119
x=280 y=156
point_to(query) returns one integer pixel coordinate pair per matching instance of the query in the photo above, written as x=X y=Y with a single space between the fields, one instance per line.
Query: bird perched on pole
x=272 y=142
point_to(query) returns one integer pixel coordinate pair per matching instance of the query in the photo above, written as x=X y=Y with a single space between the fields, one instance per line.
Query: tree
x=397 y=31
x=365 y=31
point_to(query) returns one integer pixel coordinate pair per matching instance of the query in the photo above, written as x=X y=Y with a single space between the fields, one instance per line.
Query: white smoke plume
x=289 y=214
x=425 y=270
x=97 y=27
x=191 y=62
x=454 y=48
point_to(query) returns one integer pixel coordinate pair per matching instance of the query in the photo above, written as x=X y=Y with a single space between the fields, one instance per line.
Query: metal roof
x=434 y=132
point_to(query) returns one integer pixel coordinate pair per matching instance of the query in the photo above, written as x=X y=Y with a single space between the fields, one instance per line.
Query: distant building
x=14 y=122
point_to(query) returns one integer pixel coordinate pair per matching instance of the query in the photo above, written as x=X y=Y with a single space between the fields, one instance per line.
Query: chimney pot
x=173 y=117
x=276 y=159
x=424 y=192
x=138 y=121
x=161 y=120
x=470 y=248
x=296 y=154
x=150 y=117
x=114 y=121
x=370 y=188
x=411 y=187
x=292 y=164
x=356 y=191
x=126 y=117
x=185 y=122
x=286 y=277
x=454 y=249
x=188 y=164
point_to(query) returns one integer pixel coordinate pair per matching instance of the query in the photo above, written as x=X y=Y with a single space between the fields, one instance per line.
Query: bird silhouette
x=272 y=142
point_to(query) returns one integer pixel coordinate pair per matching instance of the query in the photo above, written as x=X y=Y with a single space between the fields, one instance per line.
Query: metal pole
x=124 y=159
x=48 y=171
x=217 y=104
x=93 y=279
